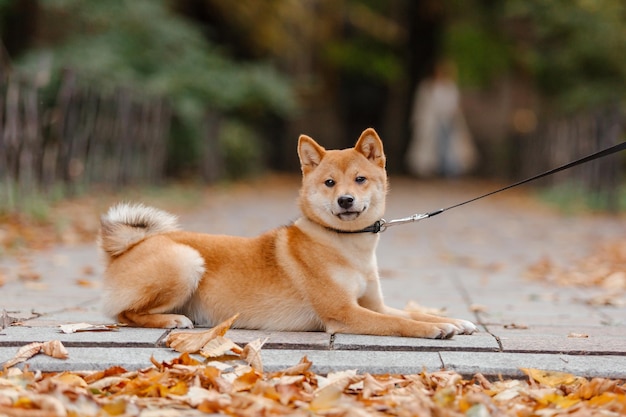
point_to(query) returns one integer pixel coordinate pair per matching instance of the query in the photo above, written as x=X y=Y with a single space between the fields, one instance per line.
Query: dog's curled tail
x=125 y=225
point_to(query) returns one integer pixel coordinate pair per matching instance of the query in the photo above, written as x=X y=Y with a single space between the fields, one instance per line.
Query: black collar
x=374 y=228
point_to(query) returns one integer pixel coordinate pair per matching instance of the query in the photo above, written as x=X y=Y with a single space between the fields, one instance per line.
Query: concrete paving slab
x=374 y=362
x=570 y=330
x=508 y=364
x=92 y=359
x=563 y=344
x=480 y=341
x=127 y=337
x=283 y=340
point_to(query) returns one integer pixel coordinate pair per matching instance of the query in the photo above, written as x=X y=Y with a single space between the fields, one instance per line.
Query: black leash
x=382 y=224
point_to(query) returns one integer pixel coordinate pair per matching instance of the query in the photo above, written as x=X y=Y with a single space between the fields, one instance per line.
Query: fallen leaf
x=218 y=347
x=70 y=379
x=24 y=353
x=578 y=335
x=28 y=275
x=252 y=354
x=300 y=368
x=192 y=342
x=550 y=378
x=478 y=308
x=516 y=326
x=87 y=327
x=55 y=349
x=327 y=397
x=88 y=270
x=246 y=381
x=87 y=283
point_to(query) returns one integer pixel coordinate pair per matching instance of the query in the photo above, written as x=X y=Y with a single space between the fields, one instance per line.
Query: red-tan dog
x=309 y=276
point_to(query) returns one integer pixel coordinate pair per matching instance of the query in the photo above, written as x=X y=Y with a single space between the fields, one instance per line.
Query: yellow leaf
x=180 y=388
x=603 y=399
x=115 y=408
x=70 y=379
x=558 y=400
x=550 y=378
x=192 y=342
x=246 y=381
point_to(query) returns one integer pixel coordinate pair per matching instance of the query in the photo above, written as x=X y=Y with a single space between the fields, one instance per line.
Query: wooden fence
x=82 y=136
x=561 y=140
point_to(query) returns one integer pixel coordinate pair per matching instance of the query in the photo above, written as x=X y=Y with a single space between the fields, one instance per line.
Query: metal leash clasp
x=384 y=224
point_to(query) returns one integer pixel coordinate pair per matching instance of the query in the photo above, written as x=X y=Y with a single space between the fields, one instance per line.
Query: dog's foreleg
x=360 y=320
x=373 y=300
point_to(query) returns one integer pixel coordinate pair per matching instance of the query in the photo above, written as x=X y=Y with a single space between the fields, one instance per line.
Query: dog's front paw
x=443 y=331
x=179 y=322
x=465 y=327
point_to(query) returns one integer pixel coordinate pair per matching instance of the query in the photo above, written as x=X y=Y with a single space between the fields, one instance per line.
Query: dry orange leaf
x=24 y=353
x=193 y=342
x=218 y=347
x=55 y=349
x=184 y=386
x=252 y=354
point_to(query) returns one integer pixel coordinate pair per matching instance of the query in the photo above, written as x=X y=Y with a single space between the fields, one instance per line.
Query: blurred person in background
x=441 y=144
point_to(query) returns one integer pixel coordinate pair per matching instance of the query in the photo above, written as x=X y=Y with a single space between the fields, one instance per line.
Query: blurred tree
x=574 y=49
x=145 y=45
x=351 y=60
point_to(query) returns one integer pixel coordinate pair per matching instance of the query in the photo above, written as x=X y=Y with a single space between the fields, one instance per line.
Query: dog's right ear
x=310 y=153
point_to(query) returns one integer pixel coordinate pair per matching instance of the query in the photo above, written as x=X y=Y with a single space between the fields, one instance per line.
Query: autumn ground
x=534 y=280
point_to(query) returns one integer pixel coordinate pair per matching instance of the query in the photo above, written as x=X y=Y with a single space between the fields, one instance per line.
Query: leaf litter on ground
x=233 y=383
x=603 y=269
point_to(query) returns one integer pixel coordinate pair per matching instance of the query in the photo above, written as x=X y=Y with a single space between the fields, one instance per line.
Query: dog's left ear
x=370 y=146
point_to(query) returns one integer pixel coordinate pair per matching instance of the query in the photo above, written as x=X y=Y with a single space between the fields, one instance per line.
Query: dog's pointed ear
x=310 y=153
x=370 y=146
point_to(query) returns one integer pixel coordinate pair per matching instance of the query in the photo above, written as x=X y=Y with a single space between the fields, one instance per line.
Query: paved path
x=470 y=261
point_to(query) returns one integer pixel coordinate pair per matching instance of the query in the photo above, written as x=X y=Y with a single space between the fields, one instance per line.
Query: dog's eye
x=360 y=180
x=329 y=183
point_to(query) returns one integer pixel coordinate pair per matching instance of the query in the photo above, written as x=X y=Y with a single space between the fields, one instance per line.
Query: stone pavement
x=471 y=262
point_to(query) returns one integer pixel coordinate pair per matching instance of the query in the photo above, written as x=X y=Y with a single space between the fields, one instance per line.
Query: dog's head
x=343 y=189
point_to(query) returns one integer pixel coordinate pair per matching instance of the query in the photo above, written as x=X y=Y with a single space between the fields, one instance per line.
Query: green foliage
x=142 y=44
x=572 y=198
x=364 y=57
x=480 y=55
x=578 y=49
x=242 y=149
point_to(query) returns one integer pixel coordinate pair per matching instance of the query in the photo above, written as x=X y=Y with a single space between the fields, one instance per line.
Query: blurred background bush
x=141 y=91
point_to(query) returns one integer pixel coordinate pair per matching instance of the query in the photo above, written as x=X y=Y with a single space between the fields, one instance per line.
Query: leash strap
x=383 y=224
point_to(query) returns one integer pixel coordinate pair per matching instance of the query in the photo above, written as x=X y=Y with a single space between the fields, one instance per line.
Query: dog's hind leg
x=157 y=278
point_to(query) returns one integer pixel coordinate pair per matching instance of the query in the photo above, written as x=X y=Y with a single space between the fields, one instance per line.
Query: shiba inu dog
x=317 y=274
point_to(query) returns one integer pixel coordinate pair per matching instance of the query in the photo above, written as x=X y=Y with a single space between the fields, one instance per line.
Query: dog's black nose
x=345 y=201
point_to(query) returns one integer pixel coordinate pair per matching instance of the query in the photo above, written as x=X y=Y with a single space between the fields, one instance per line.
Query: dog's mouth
x=349 y=215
